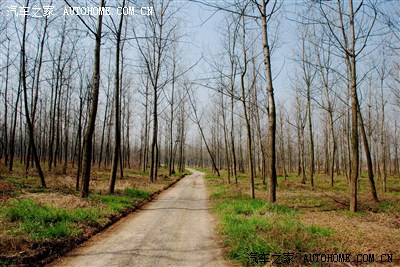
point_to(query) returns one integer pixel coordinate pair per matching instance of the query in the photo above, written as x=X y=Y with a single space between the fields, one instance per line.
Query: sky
x=204 y=26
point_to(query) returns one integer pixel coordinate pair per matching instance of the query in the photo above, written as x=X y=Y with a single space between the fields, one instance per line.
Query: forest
x=263 y=96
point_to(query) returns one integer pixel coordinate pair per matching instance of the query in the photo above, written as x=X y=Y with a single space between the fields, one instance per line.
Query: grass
x=306 y=220
x=320 y=231
x=30 y=214
x=41 y=222
x=255 y=226
x=22 y=182
x=122 y=200
x=178 y=174
x=389 y=207
x=137 y=194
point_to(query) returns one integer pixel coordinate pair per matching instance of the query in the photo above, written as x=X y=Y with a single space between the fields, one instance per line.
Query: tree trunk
x=368 y=155
x=5 y=137
x=66 y=130
x=354 y=116
x=226 y=144
x=282 y=146
x=14 y=127
x=232 y=139
x=197 y=121
x=146 y=127
x=27 y=115
x=88 y=142
x=153 y=165
x=271 y=107
x=78 y=173
x=245 y=112
x=105 y=114
x=171 y=167
x=310 y=130
x=117 y=146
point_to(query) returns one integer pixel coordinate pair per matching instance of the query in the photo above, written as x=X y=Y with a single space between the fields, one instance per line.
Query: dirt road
x=176 y=229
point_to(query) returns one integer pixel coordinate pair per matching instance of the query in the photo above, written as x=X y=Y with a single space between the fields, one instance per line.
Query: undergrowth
x=117 y=202
x=255 y=227
x=26 y=217
x=34 y=221
x=42 y=222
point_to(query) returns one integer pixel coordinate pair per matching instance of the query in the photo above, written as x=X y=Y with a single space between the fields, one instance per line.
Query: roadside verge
x=39 y=227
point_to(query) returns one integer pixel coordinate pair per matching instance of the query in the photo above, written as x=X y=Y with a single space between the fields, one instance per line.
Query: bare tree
x=117 y=106
x=105 y=112
x=161 y=27
x=5 y=142
x=23 y=77
x=266 y=11
x=324 y=66
x=232 y=36
x=282 y=142
x=197 y=120
x=307 y=64
x=350 y=29
x=244 y=101
x=383 y=73
x=88 y=141
x=266 y=16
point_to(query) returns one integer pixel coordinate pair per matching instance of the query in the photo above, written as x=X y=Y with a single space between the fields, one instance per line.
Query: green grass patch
x=256 y=226
x=320 y=230
x=119 y=201
x=358 y=214
x=36 y=219
x=211 y=177
x=42 y=222
x=114 y=202
x=137 y=194
x=389 y=207
x=22 y=182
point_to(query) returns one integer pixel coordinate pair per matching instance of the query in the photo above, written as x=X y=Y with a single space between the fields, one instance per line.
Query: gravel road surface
x=176 y=229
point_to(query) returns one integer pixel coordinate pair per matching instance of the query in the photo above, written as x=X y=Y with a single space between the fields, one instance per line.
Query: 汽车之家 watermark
x=35 y=12
x=257 y=258
x=46 y=11
x=264 y=258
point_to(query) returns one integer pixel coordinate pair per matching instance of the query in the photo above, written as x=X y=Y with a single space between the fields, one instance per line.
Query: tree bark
x=197 y=121
x=368 y=155
x=5 y=144
x=27 y=115
x=354 y=115
x=245 y=111
x=88 y=141
x=117 y=146
x=271 y=106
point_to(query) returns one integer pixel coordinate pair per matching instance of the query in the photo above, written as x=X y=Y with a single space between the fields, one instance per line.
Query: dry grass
x=60 y=200
x=61 y=194
x=369 y=233
x=375 y=229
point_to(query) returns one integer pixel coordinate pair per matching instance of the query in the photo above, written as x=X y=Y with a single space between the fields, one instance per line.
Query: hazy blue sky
x=204 y=25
